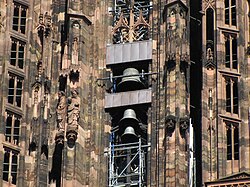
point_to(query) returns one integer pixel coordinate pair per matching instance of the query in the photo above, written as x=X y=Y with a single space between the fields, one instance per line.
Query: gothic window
x=210 y=34
x=10 y=165
x=17 y=54
x=210 y=25
x=231 y=53
x=19 y=18
x=232 y=141
x=232 y=103
x=15 y=90
x=230 y=12
x=12 y=128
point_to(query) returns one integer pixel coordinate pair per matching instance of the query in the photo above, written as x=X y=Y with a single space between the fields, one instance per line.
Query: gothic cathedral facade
x=124 y=93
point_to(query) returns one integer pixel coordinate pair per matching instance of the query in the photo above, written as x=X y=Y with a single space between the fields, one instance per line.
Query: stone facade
x=105 y=93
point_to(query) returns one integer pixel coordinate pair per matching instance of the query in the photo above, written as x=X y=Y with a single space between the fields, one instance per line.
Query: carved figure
x=35 y=109
x=75 y=29
x=209 y=54
x=73 y=108
x=61 y=111
x=75 y=51
x=65 y=57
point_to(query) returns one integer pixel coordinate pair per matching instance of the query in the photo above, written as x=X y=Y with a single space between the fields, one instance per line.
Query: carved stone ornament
x=2 y=27
x=248 y=50
x=73 y=108
x=129 y=31
x=122 y=23
x=59 y=139
x=170 y=57
x=184 y=125
x=170 y=124
x=208 y=3
x=75 y=49
x=75 y=5
x=71 y=135
x=45 y=26
x=209 y=56
x=61 y=111
x=35 y=100
x=65 y=60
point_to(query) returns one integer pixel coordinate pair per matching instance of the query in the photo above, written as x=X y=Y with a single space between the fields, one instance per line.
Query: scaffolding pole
x=133 y=172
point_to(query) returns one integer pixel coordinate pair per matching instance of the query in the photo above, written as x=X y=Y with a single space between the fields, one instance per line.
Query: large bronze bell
x=129 y=135
x=129 y=116
x=129 y=119
x=130 y=82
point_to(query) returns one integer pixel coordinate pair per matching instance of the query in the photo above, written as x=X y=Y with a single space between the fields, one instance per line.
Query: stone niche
x=75 y=5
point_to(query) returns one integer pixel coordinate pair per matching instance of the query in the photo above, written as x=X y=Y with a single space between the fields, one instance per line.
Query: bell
x=129 y=135
x=130 y=82
x=129 y=115
x=129 y=119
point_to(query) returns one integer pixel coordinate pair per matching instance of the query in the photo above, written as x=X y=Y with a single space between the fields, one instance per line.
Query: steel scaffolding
x=127 y=164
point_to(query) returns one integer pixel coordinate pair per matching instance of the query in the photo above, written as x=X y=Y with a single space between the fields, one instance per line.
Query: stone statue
x=61 y=110
x=75 y=51
x=209 y=54
x=65 y=56
x=73 y=108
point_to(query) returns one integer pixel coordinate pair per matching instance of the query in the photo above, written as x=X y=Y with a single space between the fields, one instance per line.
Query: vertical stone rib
x=177 y=96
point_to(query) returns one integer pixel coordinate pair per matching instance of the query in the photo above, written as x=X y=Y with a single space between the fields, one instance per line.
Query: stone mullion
x=177 y=112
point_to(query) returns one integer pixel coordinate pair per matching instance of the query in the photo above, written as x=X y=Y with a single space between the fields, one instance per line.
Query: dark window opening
x=229 y=143
x=228 y=96
x=234 y=53
x=233 y=12
x=13 y=53
x=8 y=128
x=232 y=101
x=236 y=143
x=15 y=90
x=235 y=98
x=12 y=128
x=6 y=165
x=230 y=12
x=232 y=141
x=227 y=61
x=11 y=90
x=62 y=83
x=14 y=168
x=210 y=24
x=231 y=57
x=17 y=54
x=10 y=166
x=19 y=18
x=19 y=92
